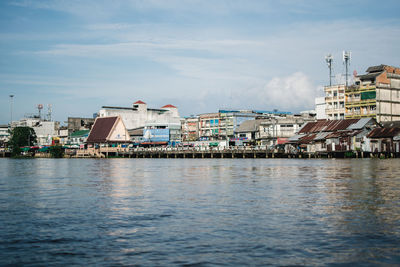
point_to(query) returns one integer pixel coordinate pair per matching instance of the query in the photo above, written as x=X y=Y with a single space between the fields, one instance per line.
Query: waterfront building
x=136 y=135
x=45 y=130
x=224 y=124
x=385 y=140
x=246 y=133
x=333 y=135
x=375 y=94
x=153 y=121
x=190 y=128
x=4 y=135
x=209 y=126
x=78 y=139
x=108 y=131
x=62 y=136
x=335 y=102
x=275 y=130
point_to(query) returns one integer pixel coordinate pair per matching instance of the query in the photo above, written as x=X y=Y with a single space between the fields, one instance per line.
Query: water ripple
x=194 y=212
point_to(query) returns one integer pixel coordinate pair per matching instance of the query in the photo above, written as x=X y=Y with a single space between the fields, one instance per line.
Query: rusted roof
x=168 y=106
x=384 y=132
x=307 y=138
x=342 y=134
x=101 y=129
x=327 y=126
x=390 y=124
x=340 y=125
x=139 y=102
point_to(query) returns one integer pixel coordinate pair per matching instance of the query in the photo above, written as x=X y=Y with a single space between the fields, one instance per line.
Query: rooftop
x=101 y=129
x=378 y=68
x=168 y=106
x=384 y=132
x=333 y=125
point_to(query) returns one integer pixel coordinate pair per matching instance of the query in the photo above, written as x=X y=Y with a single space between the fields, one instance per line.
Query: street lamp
x=11 y=108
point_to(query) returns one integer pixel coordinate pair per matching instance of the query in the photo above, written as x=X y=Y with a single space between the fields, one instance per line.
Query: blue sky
x=198 y=55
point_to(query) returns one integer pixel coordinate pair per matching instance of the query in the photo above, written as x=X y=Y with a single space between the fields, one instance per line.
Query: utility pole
x=346 y=61
x=329 y=59
x=11 y=108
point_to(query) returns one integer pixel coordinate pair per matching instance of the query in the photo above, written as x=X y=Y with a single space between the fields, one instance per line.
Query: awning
x=43 y=149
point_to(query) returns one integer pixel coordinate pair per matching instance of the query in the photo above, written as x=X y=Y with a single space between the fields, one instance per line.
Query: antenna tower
x=329 y=60
x=40 y=107
x=49 y=110
x=346 y=61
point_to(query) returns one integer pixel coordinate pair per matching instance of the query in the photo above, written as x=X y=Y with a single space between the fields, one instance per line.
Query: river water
x=199 y=212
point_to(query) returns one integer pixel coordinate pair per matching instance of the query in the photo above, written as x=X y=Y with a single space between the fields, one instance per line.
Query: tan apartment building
x=209 y=128
x=190 y=128
x=375 y=94
x=335 y=102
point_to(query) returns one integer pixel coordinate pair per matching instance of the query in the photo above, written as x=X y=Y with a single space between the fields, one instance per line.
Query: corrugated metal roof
x=360 y=124
x=101 y=129
x=321 y=136
x=295 y=138
x=390 y=124
x=327 y=126
x=340 y=125
x=384 y=132
x=307 y=138
x=342 y=134
x=308 y=127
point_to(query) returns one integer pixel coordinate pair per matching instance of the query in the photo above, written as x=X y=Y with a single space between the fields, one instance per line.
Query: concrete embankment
x=228 y=153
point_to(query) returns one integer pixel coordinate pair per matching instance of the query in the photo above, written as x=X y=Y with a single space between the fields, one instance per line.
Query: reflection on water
x=191 y=211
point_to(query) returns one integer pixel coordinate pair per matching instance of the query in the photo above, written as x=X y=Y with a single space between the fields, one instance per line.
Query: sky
x=198 y=55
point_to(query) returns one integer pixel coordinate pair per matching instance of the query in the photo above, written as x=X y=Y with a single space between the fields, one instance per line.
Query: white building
x=4 y=134
x=334 y=99
x=320 y=108
x=45 y=130
x=140 y=116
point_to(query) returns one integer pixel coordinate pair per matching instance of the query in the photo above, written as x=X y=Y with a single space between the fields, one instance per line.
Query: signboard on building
x=156 y=135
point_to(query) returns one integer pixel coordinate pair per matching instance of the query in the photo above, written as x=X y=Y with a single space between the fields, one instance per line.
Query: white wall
x=320 y=108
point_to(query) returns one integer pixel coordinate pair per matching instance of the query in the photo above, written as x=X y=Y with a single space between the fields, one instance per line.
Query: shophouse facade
x=375 y=94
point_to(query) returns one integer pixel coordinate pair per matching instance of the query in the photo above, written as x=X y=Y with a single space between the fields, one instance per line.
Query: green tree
x=21 y=136
x=56 y=151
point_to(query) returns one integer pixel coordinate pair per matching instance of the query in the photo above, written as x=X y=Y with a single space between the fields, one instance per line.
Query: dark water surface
x=199 y=211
